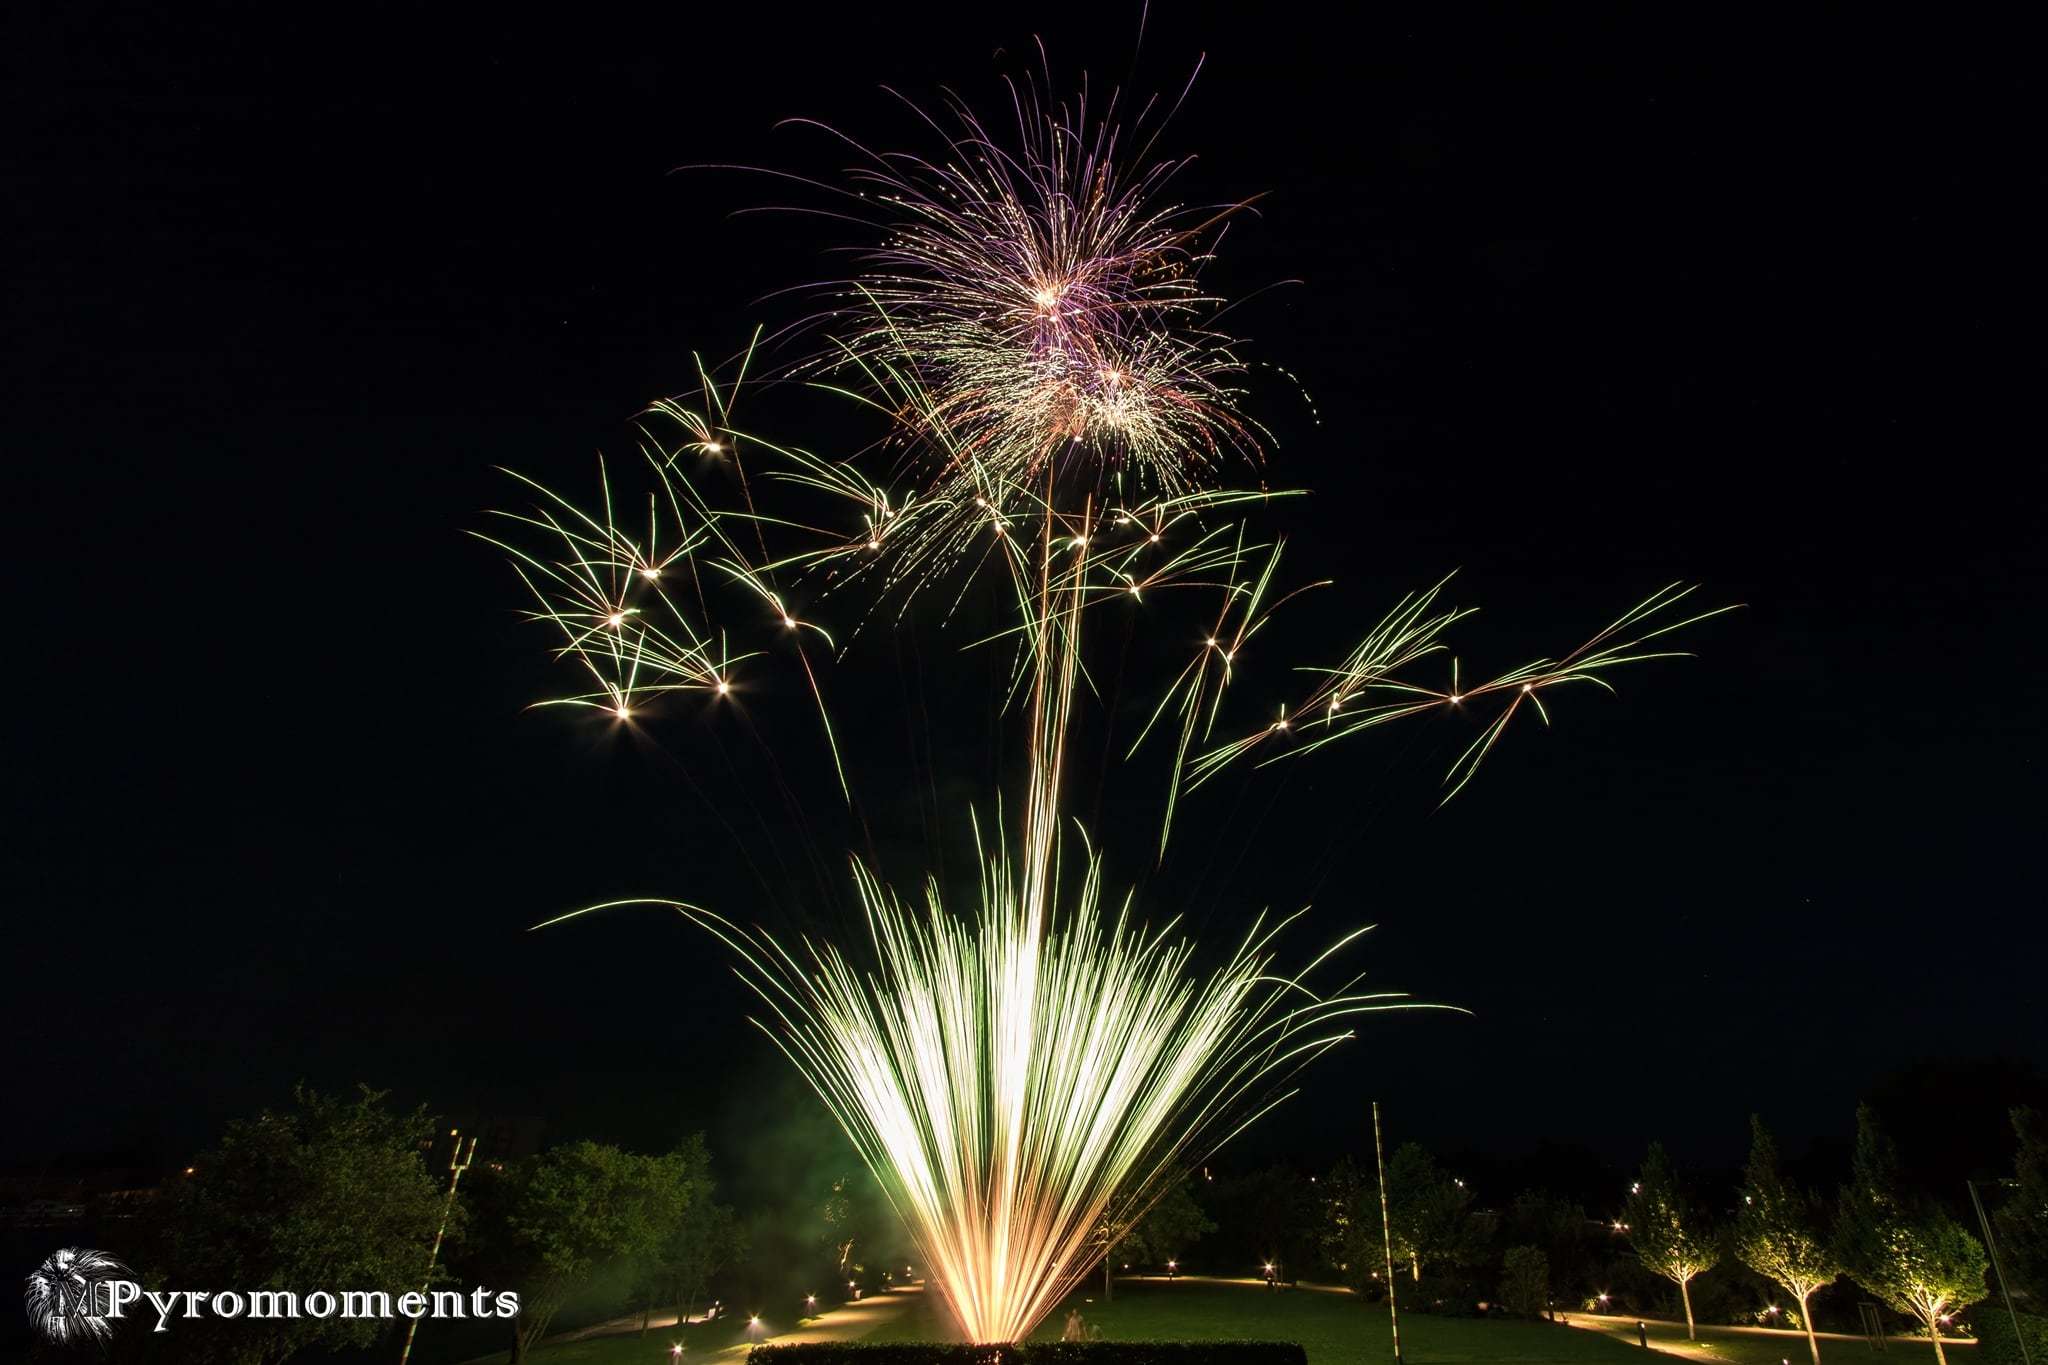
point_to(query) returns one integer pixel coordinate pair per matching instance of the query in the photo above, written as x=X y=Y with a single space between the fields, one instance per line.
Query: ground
x=1765 y=1346
x=1336 y=1327
x=1341 y=1329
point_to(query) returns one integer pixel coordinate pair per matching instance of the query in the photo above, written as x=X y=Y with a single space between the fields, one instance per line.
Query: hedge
x=1034 y=1353
x=1996 y=1344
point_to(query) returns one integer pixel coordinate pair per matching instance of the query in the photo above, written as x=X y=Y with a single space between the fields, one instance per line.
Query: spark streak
x=1012 y=1086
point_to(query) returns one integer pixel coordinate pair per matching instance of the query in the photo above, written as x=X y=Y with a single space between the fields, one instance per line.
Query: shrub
x=1449 y=1294
x=1525 y=1281
x=1996 y=1344
x=1034 y=1353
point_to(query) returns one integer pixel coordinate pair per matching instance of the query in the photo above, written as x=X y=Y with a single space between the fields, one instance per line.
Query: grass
x=1755 y=1346
x=1340 y=1329
x=1337 y=1329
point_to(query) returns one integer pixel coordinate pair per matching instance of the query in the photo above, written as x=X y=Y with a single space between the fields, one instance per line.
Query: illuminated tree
x=841 y=1223
x=1777 y=1231
x=1669 y=1235
x=1428 y=1211
x=1907 y=1252
x=1351 y=1222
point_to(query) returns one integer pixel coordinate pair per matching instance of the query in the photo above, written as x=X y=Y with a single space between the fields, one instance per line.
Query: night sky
x=1585 y=304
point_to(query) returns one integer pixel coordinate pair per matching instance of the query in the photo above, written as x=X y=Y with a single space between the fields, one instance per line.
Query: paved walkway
x=1670 y=1336
x=848 y=1322
x=844 y=1323
x=614 y=1327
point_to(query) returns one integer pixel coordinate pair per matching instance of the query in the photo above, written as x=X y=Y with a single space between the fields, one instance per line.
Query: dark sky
x=1587 y=304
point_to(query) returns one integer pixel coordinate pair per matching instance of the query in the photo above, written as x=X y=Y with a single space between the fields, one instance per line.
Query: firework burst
x=1013 y=1088
x=1032 y=316
x=1060 y=411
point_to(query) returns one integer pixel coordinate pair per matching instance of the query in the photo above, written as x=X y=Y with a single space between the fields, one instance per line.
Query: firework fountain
x=1061 y=413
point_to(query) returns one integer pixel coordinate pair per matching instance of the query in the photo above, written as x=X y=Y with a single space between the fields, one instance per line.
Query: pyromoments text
x=286 y=1303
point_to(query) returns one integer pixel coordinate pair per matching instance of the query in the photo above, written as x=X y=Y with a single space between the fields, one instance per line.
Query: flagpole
x=458 y=1162
x=1379 y=1157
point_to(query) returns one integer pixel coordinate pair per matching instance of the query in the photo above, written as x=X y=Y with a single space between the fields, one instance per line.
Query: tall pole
x=1991 y=1243
x=458 y=1162
x=1379 y=1157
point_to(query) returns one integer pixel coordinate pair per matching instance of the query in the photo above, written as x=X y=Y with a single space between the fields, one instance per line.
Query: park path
x=1669 y=1337
x=845 y=1323
x=848 y=1322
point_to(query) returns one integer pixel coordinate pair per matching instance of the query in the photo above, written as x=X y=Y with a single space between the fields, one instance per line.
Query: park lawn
x=1759 y=1346
x=1337 y=1328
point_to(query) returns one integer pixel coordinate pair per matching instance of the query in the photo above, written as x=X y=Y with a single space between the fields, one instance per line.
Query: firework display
x=1062 y=414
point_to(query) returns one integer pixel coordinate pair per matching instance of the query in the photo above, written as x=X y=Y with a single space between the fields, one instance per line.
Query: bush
x=1996 y=1344
x=1525 y=1281
x=1034 y=1353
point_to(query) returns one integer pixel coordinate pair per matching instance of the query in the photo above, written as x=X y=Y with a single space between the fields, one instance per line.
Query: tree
x=330 y=1194
x=1561 y=1229
x=1273 y=1215
x=702 y=1240
x=1428 y=1212
x=1164 y=1232
x=1671 y=1238
x=1350 y=1229
x=1778 y=1233
x=2023 y=1215
x=836 y=1216
x=1907 y=1252
x=707 y=1241
x=550 y=1223
x=1525 y=1281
